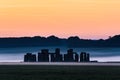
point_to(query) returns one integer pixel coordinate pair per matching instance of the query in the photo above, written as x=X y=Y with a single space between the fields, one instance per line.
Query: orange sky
x=85 y=18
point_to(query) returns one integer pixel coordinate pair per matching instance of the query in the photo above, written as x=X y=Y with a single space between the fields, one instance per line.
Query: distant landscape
x=51 y=41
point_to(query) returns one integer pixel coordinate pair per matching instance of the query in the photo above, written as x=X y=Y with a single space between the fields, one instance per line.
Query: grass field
x=59 y=72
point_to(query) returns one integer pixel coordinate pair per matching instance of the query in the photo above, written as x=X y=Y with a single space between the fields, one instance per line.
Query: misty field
x=59 y=72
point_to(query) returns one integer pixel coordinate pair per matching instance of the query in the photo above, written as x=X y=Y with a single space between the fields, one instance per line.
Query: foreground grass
x=59 y=73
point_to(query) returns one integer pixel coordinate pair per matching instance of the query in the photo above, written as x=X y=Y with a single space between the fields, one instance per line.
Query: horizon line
x=55 y=36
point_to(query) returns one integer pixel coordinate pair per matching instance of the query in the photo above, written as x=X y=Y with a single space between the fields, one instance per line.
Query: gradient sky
x=85 y=18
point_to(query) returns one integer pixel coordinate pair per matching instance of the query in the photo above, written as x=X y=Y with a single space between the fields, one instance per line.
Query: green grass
x=59 y=73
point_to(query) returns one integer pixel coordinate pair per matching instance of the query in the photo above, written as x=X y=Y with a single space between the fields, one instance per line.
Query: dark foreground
x=38 y=72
